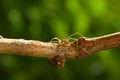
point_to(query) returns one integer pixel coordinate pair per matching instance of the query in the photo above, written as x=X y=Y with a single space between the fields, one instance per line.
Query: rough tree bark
x=58 y=53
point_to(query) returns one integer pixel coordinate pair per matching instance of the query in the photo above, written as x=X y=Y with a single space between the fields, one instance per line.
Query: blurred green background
x=44 y=19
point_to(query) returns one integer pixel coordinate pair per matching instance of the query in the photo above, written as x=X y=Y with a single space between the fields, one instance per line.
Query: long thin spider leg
x=72 y=39
x=55 y=40
x=77 y=33
x=1 y=37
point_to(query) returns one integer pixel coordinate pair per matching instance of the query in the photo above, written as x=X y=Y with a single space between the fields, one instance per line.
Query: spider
x=66 y=40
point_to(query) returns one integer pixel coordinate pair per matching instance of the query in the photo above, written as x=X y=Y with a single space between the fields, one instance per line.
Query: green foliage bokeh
x=44 y=19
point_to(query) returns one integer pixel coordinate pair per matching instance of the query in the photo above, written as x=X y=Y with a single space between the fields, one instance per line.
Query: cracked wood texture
x=58 y=53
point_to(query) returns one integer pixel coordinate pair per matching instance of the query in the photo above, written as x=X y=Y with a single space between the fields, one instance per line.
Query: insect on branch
x=58 y=51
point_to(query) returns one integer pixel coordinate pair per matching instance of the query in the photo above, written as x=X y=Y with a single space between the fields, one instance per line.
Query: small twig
x=59 y=53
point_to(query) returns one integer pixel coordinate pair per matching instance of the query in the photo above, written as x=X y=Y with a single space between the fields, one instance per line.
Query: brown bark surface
x=58 y=53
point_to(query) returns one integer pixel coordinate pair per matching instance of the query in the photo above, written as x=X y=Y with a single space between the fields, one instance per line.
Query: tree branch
x=58 y=53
